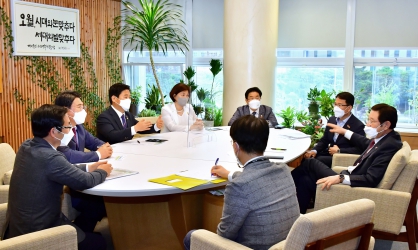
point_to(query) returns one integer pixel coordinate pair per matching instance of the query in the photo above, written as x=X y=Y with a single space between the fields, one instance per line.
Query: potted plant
x=156 y=26
x=135 y=100
x=209 y=102
x=289 y=117
x=326 y=103
x=152 y=100
x=313 y=107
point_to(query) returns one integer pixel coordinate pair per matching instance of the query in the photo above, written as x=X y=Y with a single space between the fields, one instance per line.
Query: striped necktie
x=124 y=121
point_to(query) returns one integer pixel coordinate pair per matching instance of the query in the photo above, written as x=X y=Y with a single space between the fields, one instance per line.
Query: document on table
x=118 y=172
x=293 y=134
x=179 y=181
x=201 y=175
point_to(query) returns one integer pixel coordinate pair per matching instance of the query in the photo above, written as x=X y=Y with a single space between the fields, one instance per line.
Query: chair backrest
x=332 y=221
x=3 y=211
x=7 y=156
x=395 y=167
x=407 y=178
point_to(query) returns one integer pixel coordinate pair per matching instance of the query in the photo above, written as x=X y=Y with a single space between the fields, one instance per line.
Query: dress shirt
x=341 y=123
x=133 y=132
x=257 y=111
x=76 y=135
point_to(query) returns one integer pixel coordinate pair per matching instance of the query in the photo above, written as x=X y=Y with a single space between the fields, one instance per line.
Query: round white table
x=147 y=215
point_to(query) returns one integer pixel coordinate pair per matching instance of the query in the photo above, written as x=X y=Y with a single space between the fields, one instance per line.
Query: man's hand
x=309 y=154
x=334 y=149
x=329 y=181
x=106 y=167
x=336 y=129
x=160 y=122
x=220 y=171
x=105 y=150
x=101 y=165
x=143 y=125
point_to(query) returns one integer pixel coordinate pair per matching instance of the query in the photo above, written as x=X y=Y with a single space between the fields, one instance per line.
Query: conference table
x=148 y=215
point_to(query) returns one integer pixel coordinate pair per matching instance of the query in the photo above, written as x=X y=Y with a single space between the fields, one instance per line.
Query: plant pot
x=314 y=110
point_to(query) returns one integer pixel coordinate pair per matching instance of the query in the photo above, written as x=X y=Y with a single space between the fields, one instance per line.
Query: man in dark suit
x=116 y=124
x=332 y=143
x=91 y=207
x=254 y=107
x=82 y=138
x=39 y=174
x=367 y=171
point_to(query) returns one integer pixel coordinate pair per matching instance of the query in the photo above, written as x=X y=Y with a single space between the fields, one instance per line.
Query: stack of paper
x=294 y=134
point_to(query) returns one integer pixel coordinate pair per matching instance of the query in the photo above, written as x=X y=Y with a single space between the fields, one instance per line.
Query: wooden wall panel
x=96 y=16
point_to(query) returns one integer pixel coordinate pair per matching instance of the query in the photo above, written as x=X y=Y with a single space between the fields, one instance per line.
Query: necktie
x=75 y=138
x=124 y=121
x=254 y=113
x=364 y=153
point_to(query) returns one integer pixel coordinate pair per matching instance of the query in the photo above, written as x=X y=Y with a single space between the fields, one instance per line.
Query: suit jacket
x=110 y=129
x=76 y=154
x=260 y=205
x=264 y=111
x=372 y=168
x=171 y=118
x=39 y=175
x=345 y=145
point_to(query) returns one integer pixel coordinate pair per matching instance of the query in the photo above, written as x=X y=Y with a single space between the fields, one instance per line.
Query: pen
x=281 y=149
x=216 y=162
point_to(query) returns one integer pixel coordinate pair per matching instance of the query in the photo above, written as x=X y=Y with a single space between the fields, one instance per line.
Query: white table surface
x=154 y=160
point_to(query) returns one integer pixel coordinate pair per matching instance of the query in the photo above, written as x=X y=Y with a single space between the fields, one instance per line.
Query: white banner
x=45 y=30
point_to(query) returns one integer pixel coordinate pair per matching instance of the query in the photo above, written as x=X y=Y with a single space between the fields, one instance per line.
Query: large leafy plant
x=152 y=100
x=155 y=26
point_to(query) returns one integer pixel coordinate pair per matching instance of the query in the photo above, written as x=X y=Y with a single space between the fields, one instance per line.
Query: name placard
x=45 y=30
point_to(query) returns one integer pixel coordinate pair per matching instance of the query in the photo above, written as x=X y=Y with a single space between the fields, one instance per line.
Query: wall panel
x=96 y=16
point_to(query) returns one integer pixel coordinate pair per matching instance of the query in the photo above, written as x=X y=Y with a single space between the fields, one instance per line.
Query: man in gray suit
x=254 y=107
x=39 y=175
x=260 y=204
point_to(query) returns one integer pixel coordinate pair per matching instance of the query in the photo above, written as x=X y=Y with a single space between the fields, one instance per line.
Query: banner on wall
x=45 y=30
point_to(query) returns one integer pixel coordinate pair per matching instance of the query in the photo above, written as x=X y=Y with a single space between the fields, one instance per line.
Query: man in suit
x=254 y=107
x=367 y=171
x=82 y=138
x=39 y=174
x=332 y=143
x=116 y=124
x=260 y=204
x=91 y=207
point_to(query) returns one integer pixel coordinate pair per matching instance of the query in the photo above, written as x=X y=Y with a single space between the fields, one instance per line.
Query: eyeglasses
x=62 y=127
x=340 y=105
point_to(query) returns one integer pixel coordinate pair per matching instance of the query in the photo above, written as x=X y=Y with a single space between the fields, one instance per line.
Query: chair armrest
x=4 y=193
x=62 y=237
x=338 y=169
x=278 y=246
x=390 y=209
x=344 y=160
x=206 y=240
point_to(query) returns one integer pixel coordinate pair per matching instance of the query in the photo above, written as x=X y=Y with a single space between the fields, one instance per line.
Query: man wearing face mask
x=82 y=138
x=116 y=124
x=332 y=143
x=179 y=115
x=260 y=204
x=367 y=171
x=254 y=107
x=39 y=175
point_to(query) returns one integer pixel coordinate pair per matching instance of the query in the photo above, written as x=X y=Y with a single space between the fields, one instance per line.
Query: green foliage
x=326 y=103
x=215 y=68
x=155 y=26
x=289 y=117
x=202 y=94
x=313 y=94
x=217 y=118
x=198 y=109
x=147 y=113
x=112 y=52
x=301 y=116
x=152 y=100
x=136 y=95
x=189 y=73
x=28 y=102
x=313 y=127
x=8 y=36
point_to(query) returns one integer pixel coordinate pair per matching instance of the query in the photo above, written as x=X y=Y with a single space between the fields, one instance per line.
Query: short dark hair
x=46 y=117
x=116 y=89
x=386 y=113
x=250 y=133
x=347 y=96
x=66 y=98
x=179 y=87
x=253 y=89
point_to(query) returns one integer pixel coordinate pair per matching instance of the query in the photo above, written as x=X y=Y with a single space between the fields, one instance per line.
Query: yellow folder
x=179 y=181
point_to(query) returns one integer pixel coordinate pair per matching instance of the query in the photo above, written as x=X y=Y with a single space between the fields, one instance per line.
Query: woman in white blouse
x=179 y=115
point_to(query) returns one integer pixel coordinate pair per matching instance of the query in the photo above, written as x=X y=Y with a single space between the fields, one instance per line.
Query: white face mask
x=254 y=104
x=338 y=112
x=67 y=138
x=80 y=117
x=372 y=132
x=125 y=104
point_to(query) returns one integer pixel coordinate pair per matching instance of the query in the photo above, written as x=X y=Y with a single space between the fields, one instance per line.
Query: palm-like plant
x=157 y=26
